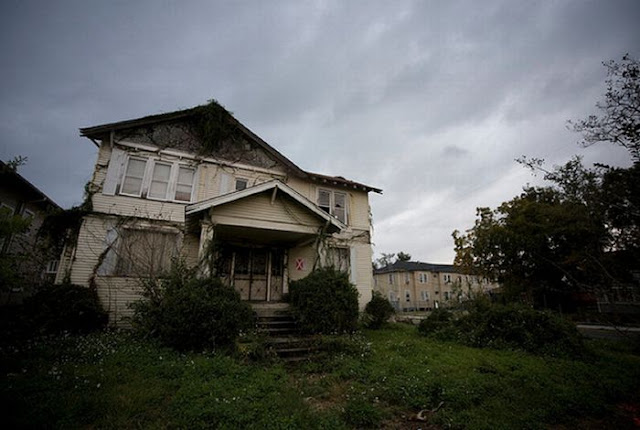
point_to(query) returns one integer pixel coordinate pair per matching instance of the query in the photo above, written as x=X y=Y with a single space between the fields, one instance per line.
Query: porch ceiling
x=259 y=236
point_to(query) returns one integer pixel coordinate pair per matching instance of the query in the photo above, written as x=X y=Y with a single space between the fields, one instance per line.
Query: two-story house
x=200 y=185
x=413 y=285
x=33 y=261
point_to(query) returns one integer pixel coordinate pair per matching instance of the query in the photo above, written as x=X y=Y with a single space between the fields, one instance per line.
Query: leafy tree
x=582 y=232
x=403 y=256
x=620 y=120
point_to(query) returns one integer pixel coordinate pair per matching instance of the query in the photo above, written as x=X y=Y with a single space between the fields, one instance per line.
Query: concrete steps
x=277 y=323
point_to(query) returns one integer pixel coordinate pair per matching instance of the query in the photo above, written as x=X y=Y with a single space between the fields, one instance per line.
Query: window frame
x=147 y=179
x=332 y=203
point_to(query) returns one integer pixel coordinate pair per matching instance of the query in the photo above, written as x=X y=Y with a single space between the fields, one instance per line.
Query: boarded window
x=143 y=253
x=132 y=182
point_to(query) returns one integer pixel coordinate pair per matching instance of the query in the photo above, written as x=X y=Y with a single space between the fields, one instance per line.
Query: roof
x=413 y=266
x=103 y=130
x=260 y=188
x=12 y=180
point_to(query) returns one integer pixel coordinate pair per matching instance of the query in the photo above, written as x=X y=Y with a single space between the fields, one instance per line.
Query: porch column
x=206 y=236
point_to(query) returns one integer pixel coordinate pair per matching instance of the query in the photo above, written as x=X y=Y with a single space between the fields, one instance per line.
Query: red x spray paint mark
x=299 y=263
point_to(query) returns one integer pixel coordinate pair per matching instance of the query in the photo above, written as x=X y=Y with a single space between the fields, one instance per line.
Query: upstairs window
x=333 y=203
x=184 y=184
x=158 y=180
x=133 y=177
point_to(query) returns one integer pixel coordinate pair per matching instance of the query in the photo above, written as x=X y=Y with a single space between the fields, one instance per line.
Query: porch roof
x=276 y=186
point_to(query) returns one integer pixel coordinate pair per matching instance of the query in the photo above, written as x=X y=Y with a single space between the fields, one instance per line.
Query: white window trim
x=124 y=175
x=332 y=202
x=148 y=177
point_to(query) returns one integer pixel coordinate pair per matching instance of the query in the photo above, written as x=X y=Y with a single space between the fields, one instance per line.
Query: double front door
x=256 y=273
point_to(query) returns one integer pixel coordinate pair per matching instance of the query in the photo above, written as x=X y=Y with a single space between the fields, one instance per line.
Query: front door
x=256 y=273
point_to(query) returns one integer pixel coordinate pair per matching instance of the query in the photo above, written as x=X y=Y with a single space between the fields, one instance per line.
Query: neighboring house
x=163 y=188
x=412 y=285
x=32 y=260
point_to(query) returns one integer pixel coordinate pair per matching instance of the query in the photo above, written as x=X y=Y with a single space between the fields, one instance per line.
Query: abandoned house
x=199 y=185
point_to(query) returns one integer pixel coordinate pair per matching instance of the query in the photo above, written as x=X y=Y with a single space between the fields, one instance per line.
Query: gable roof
x=12 y=180
x=274 y=185
x=413 y=266
x=103 y=130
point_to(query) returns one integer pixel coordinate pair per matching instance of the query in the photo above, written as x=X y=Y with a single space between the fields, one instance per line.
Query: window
x=423 y=277
x=407 y=277
x=392 y=296
x=160 y=180
x=144 y=253
x=52 y=266
x=163 y=180
x=333 y=203
x=184 y=184
x=447 y=278
x=339 y=258
x=26 y=213
x=133 y=177
x=407 y=296
x=390 y=278
x=447 y=295
x=241 y=184
x=424 y=295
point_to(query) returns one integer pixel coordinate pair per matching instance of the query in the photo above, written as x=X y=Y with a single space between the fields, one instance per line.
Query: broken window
x=163 y=180
x=333 y=203
x=338 y=258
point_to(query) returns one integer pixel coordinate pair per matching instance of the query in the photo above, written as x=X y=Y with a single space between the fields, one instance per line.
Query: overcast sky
x=429 y=100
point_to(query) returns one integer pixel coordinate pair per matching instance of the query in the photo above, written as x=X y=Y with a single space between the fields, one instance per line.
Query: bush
x=509 y=327
x=437 y=321
x=325 y=302
x=65 y=307
x=377 y=311
x=190 y=313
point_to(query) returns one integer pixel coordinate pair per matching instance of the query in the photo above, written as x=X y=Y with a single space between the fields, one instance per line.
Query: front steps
x=277 y=323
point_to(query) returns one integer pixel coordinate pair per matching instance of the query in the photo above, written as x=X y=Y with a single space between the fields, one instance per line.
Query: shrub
x=190 y=313
x=377 y=311
x=325 y=302
x=65 y=307
x=437 y=321
x=509 y=327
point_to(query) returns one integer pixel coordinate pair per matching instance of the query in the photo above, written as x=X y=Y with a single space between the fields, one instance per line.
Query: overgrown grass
x=375 y=379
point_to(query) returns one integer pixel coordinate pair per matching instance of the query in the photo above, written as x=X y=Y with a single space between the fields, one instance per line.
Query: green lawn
x=369 y=380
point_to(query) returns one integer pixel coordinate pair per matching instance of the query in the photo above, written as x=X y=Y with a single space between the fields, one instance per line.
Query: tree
x=403 y=256
x=620 y=122
x=580 y=233
x=544 y=244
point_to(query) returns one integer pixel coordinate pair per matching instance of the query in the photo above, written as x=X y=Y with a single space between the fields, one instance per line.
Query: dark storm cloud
x=430 y=101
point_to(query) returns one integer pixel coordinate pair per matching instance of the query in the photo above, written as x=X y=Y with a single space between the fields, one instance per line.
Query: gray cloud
x=430 y=101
